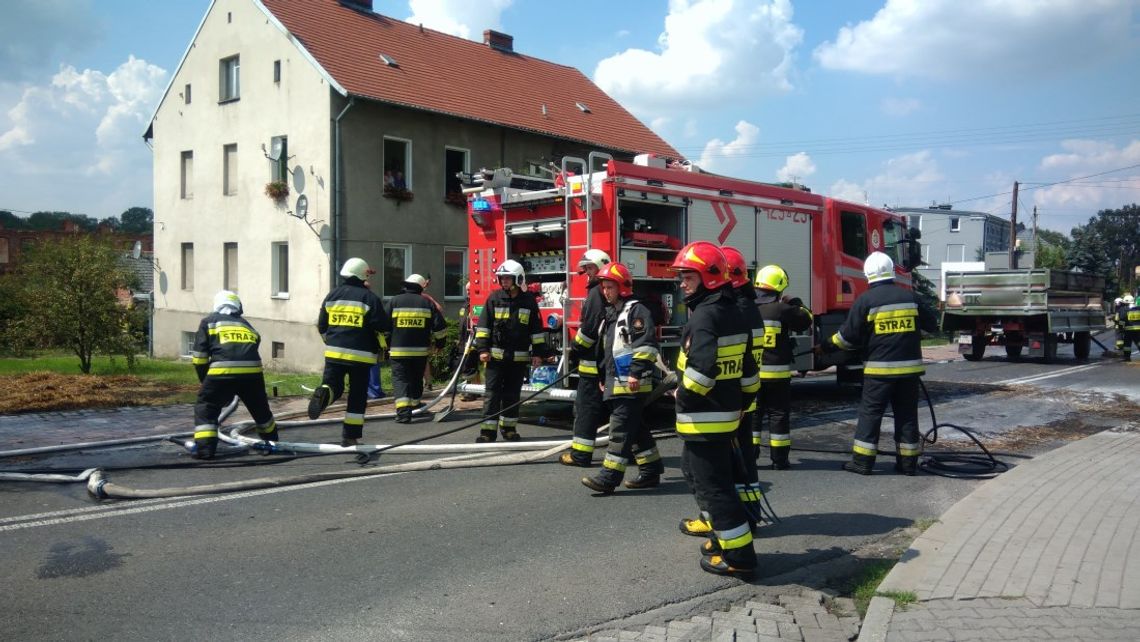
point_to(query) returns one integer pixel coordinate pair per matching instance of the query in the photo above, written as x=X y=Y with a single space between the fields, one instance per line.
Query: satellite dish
x=275 y=149
x=136 y=251
x=298 y=179
x=301 y=209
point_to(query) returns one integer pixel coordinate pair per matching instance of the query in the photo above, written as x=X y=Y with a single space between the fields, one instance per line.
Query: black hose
x=957 y=465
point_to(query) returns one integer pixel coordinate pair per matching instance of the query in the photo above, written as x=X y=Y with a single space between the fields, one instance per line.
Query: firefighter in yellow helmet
x=228 y=363
x=886 y=322
x=782 y=316
x=353 y=324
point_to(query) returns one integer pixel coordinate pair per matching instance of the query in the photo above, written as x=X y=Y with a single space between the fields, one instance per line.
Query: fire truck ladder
x=579 y=234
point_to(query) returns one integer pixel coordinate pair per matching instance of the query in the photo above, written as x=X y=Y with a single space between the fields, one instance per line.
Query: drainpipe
x=338 y=195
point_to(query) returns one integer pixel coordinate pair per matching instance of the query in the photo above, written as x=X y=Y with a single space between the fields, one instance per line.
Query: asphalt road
x=516 y=553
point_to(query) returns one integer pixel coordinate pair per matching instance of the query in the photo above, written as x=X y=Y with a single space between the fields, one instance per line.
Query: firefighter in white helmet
x=417 y=326
x=589 y=413
x=1128 y=322
x=886 y=322
x=353 y=323
x=228 y=363
x=509 y=338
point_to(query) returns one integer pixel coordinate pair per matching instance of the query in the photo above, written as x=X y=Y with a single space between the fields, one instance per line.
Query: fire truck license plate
x=965 y=339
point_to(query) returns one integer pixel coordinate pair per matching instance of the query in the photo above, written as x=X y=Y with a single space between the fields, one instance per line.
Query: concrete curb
x=878 y=620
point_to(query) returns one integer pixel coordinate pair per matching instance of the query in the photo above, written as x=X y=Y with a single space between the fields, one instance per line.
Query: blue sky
x=893 y=102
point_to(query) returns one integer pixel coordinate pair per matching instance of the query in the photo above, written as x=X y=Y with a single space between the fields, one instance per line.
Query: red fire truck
x=642 y=212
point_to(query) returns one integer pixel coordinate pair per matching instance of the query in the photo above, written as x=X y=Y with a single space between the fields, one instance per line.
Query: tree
x=67 y=289
x=137 y=220
x=1052 y=250
x=1115 y=235
x=53 y=221
x=10 y=221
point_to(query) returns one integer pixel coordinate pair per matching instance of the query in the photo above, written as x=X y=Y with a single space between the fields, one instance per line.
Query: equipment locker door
x=784 y=238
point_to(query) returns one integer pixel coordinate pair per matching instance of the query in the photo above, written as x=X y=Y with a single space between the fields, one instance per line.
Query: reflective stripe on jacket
x=886 y=322
x=510 y=327
x=226 y=345
x=780 y=321
x=353 y=322
x=416 y=325
x=630 y=344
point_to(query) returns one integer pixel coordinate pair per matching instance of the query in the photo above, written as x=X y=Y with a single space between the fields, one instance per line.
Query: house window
x=454 y=161
x=280 y=270
x=229 y=79
x=454 y=269
x=955 y=224
x=278 y=350
x=854 y=228
x=187 y=266
x=279 y=159
x=187 y=175
x=397 y=262
x=955 y=252
x=229 y=170
x=276 y=71
x=397 y=163
x=188 y=339
x=230 y=267
x=186 y=93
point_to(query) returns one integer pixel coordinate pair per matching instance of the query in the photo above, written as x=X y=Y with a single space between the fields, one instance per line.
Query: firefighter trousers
x=709 y=466
x=589 y=415
x=902 y=395
x=630 y=440
x=1124 y=341
x=334 y=375
x=503 y=380
x=774 y=407
x=216 y=393
x=407 y=384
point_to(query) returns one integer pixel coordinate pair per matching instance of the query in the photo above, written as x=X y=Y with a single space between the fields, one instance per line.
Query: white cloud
x=710 y=51
x=75 y=143
x=1086 y=157
x=33 y=33
x=717 y=151
x=847 y=191
x=900 y=106
x=982 y=38
x=461 y=18
x=797 y=167
x=904 y=181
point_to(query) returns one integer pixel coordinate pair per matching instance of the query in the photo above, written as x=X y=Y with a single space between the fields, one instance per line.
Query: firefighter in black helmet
x=589 y=412
x=228 y=363
x=629 y=349
x=781 y=316
x=717 y=373
x=886 y=322
x=416 y=326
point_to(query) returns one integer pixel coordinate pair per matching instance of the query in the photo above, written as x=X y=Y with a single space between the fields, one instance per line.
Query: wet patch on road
x=90 y=557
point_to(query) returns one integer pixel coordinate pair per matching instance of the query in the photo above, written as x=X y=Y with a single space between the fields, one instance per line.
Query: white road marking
x=1050 y=375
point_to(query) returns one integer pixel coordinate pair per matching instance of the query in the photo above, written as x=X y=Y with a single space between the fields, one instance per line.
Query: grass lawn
x=52 y=381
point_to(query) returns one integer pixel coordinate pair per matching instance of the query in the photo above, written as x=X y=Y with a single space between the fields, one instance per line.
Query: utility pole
x=1034 y=237
x=1013 y=231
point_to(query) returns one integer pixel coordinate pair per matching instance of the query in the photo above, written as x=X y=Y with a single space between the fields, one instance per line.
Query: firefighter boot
x=779 y=456
x=485 y=437
x=648 y=475
x=205 y=448
x=605 y=482
x=698 y=527
x=906 y=464
x=861 y=464
x=348 y=442
x=576 y=458
x=404 y=416
x=319 y=401
x=710 y=547
x=717 y=565
x=510 y=434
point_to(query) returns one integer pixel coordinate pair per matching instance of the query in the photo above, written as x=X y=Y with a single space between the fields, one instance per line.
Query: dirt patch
x=48 y=391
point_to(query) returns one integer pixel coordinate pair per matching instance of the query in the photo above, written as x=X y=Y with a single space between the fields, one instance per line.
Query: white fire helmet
x=878 y=267
x=1128 y=299
x=226 y=302
x=356 y=267
x=416 y=279
x=593 y=257
x=511 y=267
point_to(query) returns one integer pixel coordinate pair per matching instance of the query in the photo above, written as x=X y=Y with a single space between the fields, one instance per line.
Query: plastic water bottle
x=542 y=420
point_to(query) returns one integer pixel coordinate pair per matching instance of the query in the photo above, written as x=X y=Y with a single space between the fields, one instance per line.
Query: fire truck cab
x=641 y=213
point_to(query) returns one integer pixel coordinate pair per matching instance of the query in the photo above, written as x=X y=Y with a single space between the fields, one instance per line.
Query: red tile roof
x=442 y=73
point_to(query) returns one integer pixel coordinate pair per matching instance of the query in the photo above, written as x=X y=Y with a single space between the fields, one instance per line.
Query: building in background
x=954 y=236
x=298 y=133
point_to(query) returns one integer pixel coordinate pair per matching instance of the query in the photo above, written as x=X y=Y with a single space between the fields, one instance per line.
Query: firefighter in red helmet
x=717 y=372
x=629 y=343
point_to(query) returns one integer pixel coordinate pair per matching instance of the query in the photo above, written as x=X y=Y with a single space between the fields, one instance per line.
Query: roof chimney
x=498 y=41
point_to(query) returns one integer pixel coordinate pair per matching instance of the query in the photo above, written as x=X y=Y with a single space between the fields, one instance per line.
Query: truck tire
x=1049 y=345
x=1082 y=343
x=1013 y=352
x=977 y=348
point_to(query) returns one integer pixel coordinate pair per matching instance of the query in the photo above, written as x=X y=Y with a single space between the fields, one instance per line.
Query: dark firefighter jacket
x=416 y=324
x=586 y=339
x=510 y=328
x=716 y=367
x=885 y=323
x=226 y=346
x=746 y=303
x=629 y=341
x=780 y=321
x=1128 y=318
x=352 y=323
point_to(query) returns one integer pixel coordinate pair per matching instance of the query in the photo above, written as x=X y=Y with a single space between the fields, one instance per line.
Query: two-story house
x=954 y=236
x=298 y=133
